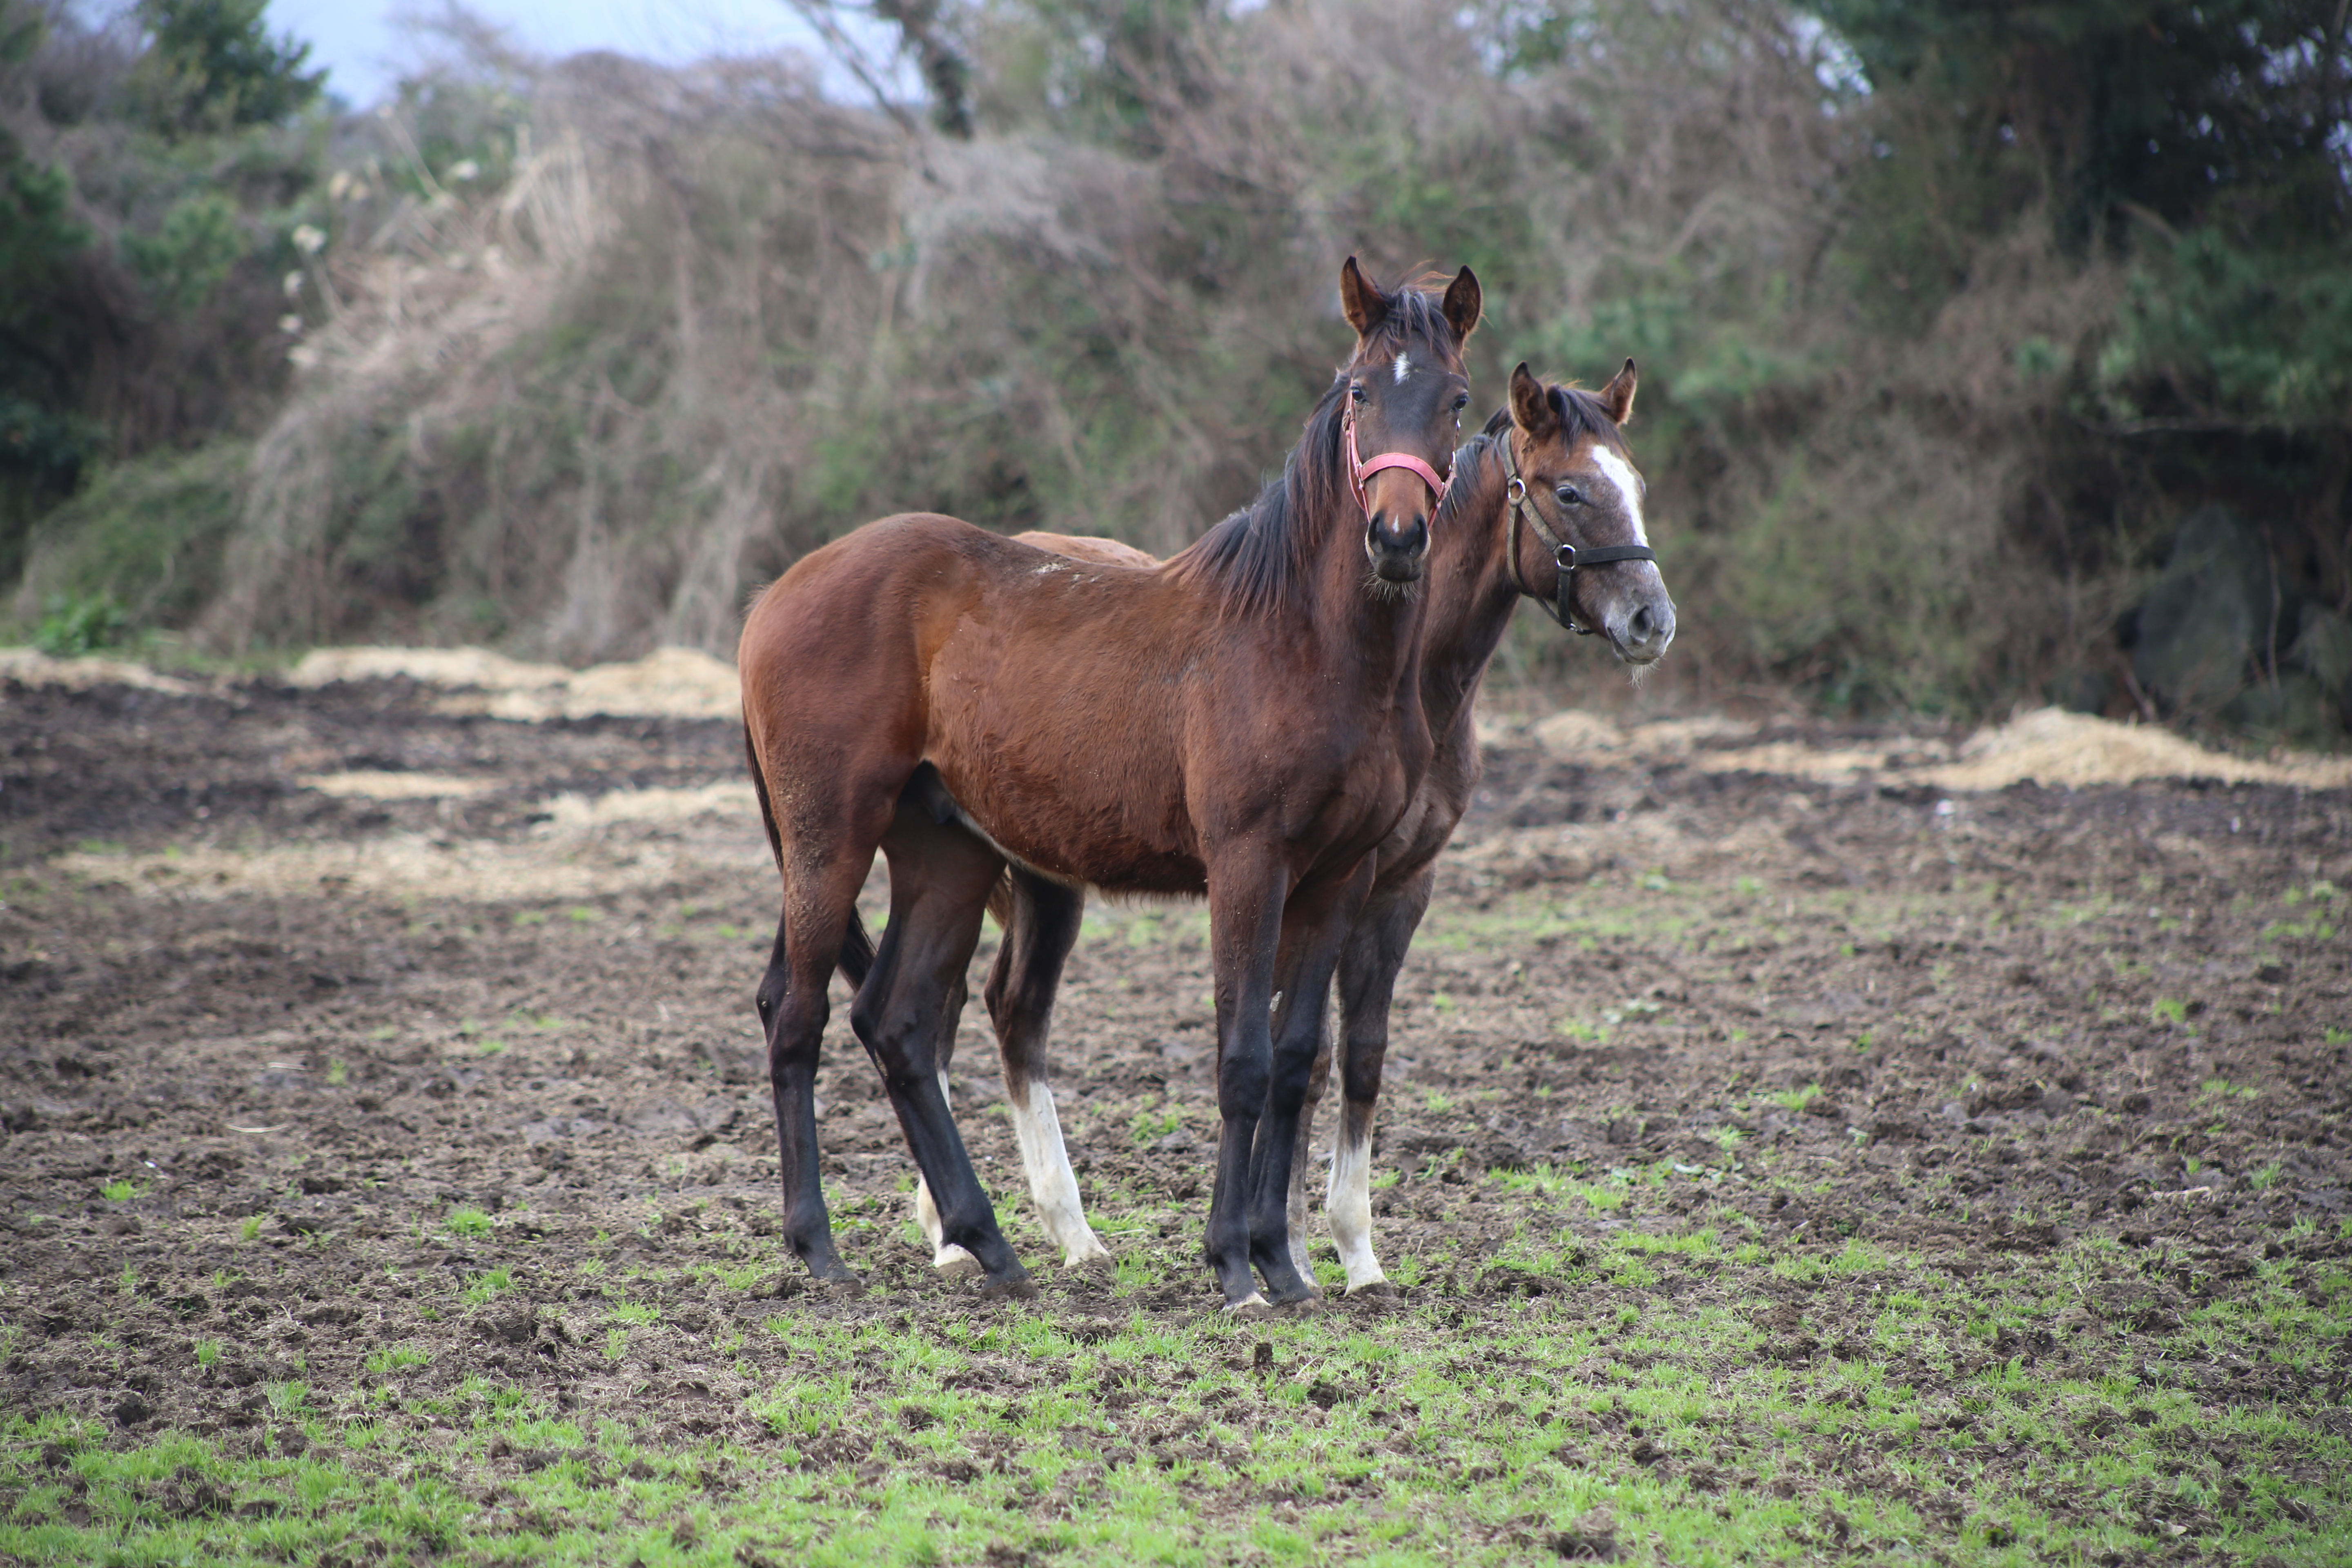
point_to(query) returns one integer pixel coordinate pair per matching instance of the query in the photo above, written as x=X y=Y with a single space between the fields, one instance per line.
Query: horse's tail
x=1000 y=899
x=760 y=789
x=856 y=958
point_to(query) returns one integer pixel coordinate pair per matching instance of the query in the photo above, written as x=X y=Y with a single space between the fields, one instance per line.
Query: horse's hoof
x=955 y=1263
x=1092 y=1256
x=1374 y=1291
x=1305 y=1305
x=830 y=1271
x=1250 y=1309
x=1013 y=1287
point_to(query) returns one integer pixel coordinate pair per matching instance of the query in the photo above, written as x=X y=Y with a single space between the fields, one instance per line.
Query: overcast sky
x=364 y=51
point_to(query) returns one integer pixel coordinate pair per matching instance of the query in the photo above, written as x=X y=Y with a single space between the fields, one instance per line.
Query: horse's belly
x=1086 y=824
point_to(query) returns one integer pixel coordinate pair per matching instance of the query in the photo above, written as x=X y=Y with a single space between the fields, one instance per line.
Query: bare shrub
x=609 y=343
x=561 y=411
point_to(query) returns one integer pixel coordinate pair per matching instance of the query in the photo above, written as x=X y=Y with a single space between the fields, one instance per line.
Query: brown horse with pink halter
x=1243 y=723
x=1537 y=504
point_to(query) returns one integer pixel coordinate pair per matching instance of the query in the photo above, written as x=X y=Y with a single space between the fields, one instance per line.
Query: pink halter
x=1359 y=471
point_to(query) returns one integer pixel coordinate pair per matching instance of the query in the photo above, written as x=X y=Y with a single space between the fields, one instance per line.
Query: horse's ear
x=1531 y=408
x=1464 y=302
x=1362 y=300
x=1618 y=396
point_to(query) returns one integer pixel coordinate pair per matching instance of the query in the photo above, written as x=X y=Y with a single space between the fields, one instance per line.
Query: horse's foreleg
x=1314 y=925
x=1245 y=898
x=1020 y=993
x=1368 y=963
x=940 y=879
x=946 y=1256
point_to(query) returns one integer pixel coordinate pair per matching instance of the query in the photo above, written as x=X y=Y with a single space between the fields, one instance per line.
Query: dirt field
x=1812 y=1163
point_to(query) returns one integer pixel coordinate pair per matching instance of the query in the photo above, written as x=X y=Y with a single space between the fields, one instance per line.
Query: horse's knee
x=1242 y=1083
x=797 y=1032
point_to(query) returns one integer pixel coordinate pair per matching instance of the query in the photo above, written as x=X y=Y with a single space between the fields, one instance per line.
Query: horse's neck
x=1471 y=597
x=1370 y=638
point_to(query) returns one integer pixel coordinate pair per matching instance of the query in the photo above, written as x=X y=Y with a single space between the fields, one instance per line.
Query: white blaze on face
x=1629 y=485
x=1403 y=368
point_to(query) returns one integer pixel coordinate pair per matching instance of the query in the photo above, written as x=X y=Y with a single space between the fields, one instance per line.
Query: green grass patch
x=489 y=1284
x=1570 y=1405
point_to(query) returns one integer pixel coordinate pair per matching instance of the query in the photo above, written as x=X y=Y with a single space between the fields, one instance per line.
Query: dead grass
x=2049 y=745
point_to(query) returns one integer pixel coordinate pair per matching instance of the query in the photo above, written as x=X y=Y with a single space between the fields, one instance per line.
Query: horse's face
x=1406 y=391
x=1590 y=494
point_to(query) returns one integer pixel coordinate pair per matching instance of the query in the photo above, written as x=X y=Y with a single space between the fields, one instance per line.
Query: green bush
x=71 y=628
x=2226 y=331
x=190 y=252
x=143 y=537
x=210 y=67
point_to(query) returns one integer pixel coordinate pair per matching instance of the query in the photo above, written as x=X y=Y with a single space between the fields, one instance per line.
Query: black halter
x=1567 y=557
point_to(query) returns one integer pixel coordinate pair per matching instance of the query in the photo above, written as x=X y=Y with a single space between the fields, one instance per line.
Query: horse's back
x=1090 y=548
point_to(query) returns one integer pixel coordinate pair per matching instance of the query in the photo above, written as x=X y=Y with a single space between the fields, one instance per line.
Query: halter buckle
x=1516 y=489
x=1564 y=557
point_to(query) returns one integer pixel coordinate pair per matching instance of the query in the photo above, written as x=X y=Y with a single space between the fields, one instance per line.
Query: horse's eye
x=1355 y=390
x=1571 y=496
x=1461 y=401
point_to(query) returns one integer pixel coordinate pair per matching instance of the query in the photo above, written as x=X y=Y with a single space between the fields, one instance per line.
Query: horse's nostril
x=1641 y=625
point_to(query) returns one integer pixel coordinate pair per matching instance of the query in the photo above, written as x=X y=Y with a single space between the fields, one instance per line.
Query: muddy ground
x=281 y=1061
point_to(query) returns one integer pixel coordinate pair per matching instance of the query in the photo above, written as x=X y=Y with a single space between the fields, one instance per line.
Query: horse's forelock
x=1582 y=413
x=1417 y=310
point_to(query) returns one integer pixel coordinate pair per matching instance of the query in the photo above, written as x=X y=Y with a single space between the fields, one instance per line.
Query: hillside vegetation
x=1989 y=352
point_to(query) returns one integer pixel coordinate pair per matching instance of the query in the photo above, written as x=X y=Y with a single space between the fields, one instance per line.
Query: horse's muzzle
x=1397 y=546
x=1639 y=625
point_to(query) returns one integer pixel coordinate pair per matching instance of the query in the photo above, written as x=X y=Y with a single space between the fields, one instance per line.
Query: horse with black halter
x=1242 y=722
x=1546 y=505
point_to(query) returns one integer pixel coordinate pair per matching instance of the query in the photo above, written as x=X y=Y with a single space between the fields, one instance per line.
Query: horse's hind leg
x=1302 y=1155
x=939 y=879
x=1020 y=994
x=1375 y=950
x=818 y=899
x=951 y=1260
